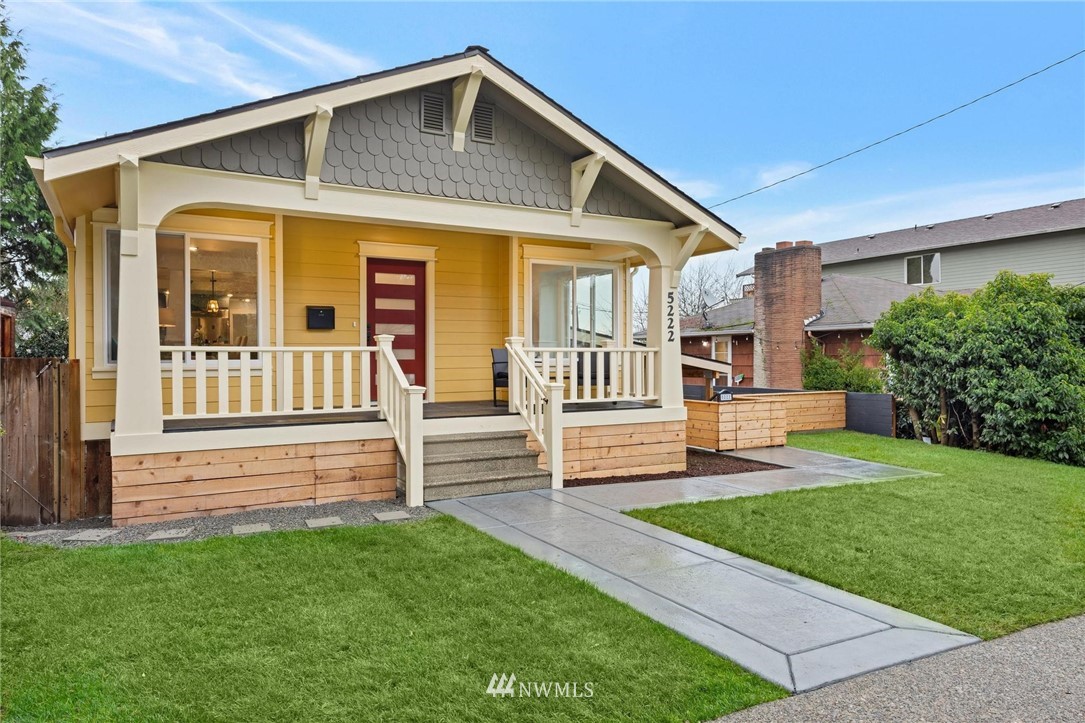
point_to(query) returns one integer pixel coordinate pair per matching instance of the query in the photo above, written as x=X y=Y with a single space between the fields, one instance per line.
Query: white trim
x=93 y=431
x=560 y=253
x=583 y=174
x=197 y=440
x=464 y=93
x=617 y=295
x=514 y=286
x=403 y=252
x=170 y=188
x=316 y=138
x=80 y=291
x=280 y=303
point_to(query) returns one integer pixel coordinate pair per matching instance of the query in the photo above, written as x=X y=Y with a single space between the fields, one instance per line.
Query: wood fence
x=41 y=453
x=761 y=420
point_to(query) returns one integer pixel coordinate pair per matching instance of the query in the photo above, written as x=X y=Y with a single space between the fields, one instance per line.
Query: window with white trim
x=209 y=291
x=572 y=304
x=925 y=269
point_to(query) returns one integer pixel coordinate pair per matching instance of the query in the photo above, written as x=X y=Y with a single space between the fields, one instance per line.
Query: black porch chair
x=500 y=366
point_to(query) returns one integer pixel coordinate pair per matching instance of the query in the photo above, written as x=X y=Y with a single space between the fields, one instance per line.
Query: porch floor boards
x=433 y=410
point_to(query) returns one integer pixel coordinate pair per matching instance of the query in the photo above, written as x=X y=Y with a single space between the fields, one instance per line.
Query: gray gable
x=277 y=151
x=379 y=144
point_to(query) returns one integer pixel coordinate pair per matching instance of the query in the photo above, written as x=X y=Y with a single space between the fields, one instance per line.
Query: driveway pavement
x=791 y=630
x=1034 y=675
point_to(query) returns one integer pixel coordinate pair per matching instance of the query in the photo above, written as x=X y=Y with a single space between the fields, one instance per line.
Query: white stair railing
x=400 y=404
x=600 y=374
x=539 y=402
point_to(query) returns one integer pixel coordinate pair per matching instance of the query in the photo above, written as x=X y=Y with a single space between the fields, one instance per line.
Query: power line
x=906 y=130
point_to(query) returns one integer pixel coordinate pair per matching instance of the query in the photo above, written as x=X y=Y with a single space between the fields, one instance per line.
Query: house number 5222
x=670 y=316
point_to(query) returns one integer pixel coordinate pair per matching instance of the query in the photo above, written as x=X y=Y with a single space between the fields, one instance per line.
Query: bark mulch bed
x=698 y=464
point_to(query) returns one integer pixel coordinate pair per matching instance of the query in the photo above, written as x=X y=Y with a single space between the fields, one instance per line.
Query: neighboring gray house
x=967 y=253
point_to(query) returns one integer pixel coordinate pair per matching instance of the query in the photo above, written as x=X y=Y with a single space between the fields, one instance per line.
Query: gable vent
x=433 y=113
x=482 y=123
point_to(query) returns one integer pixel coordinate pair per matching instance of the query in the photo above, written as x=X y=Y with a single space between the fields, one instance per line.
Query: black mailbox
x=319 y=317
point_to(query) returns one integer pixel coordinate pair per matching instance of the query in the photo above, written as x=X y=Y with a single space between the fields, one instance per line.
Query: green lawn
x=993 y=545
x=404 y=622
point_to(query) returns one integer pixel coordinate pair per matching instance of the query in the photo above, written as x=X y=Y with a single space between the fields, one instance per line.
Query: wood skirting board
x=176 y=485
x=621 y=450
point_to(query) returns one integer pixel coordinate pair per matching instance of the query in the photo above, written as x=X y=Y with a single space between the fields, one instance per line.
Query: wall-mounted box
x=319 y=317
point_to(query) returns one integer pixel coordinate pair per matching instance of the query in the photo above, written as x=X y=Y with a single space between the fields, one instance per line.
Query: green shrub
x=821 y=372
x=1003 y=369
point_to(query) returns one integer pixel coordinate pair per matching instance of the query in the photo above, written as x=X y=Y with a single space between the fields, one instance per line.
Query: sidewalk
x=796 y=632
x=1032 y=675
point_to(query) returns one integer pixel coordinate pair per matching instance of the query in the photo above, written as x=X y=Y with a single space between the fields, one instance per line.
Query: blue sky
x=720 y=98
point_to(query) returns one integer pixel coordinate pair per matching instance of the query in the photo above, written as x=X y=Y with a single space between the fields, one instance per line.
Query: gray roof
x=1048 y=218
x=856 y=302
x=847 y=302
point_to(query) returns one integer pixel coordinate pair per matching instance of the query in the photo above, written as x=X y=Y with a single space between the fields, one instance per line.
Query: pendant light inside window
x=212 y=303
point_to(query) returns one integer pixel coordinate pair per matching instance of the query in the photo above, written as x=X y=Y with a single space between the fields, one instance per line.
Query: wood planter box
x=747 y=422
x=761 y=420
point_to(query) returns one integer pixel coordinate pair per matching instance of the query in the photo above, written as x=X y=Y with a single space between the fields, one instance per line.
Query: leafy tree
x=821 y=372
x=41 y=328
x=1003 y=369
x=28 y=116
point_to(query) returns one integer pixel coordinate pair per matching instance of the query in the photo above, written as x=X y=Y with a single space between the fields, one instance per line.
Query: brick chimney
x=787 y=280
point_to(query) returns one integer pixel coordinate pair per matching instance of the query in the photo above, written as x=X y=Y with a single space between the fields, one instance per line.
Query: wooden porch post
x=664 y=334
x=139 y=369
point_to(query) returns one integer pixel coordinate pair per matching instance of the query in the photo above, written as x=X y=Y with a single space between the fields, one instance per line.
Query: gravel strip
x=1033 y=675
x=353 y=514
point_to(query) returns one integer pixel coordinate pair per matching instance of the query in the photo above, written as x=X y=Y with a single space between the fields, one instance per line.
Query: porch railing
x=299 y=370
x=400 y=403
x=538 y=401
x=300 y=380
x=604 y=374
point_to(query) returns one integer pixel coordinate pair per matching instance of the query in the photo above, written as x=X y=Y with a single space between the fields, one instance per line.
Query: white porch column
x=664 y=334
x=139 y=370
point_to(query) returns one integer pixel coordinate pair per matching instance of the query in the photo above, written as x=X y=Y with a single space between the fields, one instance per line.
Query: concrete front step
x=502 y=460
x=471 y=443
x=472 y=484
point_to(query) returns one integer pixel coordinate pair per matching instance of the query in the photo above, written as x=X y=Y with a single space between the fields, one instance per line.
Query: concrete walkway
x=793 y=631
x=1033 y=675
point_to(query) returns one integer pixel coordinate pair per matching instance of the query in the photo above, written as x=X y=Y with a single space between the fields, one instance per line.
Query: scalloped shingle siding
x=378 y=144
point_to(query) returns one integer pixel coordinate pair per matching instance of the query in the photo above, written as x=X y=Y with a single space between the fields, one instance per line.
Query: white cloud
x=297 y=45
x=780 y=171
x=184 y=46
x=902 y=210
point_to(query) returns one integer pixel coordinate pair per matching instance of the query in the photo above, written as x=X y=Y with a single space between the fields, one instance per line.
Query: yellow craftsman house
x=319 y=296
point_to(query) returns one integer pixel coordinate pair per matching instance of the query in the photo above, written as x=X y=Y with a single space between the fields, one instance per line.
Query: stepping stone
x=323 y=522
x=174 y=534
x=252 y=529
x=390 y=516
x=91 y=535
x=36 y=533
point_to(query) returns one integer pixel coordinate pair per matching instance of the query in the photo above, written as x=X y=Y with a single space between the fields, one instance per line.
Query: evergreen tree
x=31 y=252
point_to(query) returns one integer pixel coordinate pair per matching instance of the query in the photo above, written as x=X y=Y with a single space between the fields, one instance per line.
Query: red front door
x=396 y=304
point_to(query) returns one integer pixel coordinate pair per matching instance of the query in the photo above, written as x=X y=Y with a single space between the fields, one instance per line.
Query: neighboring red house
x=763 y=334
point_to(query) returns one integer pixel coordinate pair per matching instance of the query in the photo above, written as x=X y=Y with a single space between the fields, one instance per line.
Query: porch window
x=208 y=291
x=572 y=305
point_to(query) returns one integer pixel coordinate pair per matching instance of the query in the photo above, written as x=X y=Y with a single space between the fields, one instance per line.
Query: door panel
x=396 y=304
